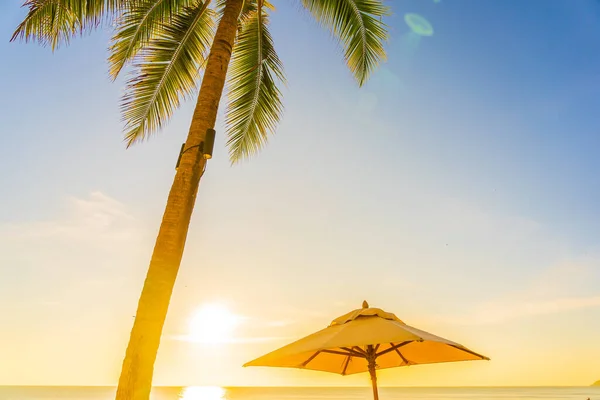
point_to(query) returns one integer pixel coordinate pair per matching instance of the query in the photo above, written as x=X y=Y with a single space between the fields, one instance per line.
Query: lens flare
x=418 y=24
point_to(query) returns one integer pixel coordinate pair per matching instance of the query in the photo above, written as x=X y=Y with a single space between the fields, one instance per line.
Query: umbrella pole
x=373 y=374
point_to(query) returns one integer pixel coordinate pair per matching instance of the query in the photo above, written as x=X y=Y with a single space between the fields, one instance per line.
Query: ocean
x=290 y=393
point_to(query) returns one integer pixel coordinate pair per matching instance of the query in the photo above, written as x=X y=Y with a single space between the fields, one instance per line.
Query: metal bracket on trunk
x=209 y=139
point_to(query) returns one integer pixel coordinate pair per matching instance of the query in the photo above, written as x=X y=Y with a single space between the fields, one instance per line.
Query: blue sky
x=458 y=189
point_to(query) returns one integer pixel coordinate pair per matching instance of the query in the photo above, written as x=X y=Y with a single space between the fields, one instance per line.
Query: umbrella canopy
x=364 y=340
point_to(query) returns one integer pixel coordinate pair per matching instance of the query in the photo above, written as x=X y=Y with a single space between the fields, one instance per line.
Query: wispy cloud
x=281 y=323
x=238 y=340
x=97 y=217
x=80 y=249
x=558 y=289
x=502 y=312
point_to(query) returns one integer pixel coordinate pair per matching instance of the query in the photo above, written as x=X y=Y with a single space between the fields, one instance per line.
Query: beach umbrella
x=365 y=340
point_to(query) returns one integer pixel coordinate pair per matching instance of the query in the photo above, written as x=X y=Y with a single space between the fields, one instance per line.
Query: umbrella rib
x=359 y=350
x=468 y=351
x=401 y=356
x=346 y=365
x=394 y=347
x=343 y=353
x=305 y=363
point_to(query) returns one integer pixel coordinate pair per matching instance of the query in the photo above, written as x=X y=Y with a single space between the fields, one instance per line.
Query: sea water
x=291 y=393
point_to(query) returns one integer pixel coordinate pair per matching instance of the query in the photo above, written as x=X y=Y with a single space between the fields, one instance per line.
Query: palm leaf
x=166 y=70
x=52 y=22
x=359 y=27
x=137 y=25
x=255 y=105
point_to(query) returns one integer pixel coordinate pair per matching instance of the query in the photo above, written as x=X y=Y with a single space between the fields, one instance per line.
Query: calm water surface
x=217 y=393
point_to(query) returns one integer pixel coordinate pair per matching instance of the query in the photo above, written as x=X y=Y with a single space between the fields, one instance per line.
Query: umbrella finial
x=365 y=304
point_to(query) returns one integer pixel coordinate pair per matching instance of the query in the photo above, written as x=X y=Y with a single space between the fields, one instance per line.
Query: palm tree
x=166 y=43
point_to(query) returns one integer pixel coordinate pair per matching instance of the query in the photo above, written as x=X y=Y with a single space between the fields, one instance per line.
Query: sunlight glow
x=213 y=323
x=203 y=393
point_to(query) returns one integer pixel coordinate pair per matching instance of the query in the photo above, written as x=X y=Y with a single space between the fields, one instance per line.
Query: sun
x=213 y=323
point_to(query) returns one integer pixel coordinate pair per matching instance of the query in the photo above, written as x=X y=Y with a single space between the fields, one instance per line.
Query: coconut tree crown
x=165 y=43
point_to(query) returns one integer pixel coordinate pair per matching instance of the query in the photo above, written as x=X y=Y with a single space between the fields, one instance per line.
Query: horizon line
x=315 y=387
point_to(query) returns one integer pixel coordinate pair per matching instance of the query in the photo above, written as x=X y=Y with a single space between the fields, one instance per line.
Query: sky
x=457 y=189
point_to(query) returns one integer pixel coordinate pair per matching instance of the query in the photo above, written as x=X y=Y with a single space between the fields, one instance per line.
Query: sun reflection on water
x=203 y=393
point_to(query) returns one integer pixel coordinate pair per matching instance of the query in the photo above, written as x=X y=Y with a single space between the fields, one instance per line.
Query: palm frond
x=136 y=26
x=53 y=22
x=166 y=70
x=255 y=104
x=359 y=27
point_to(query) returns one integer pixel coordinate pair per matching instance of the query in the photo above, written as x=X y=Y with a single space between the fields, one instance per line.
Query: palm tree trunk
x=135 y=381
